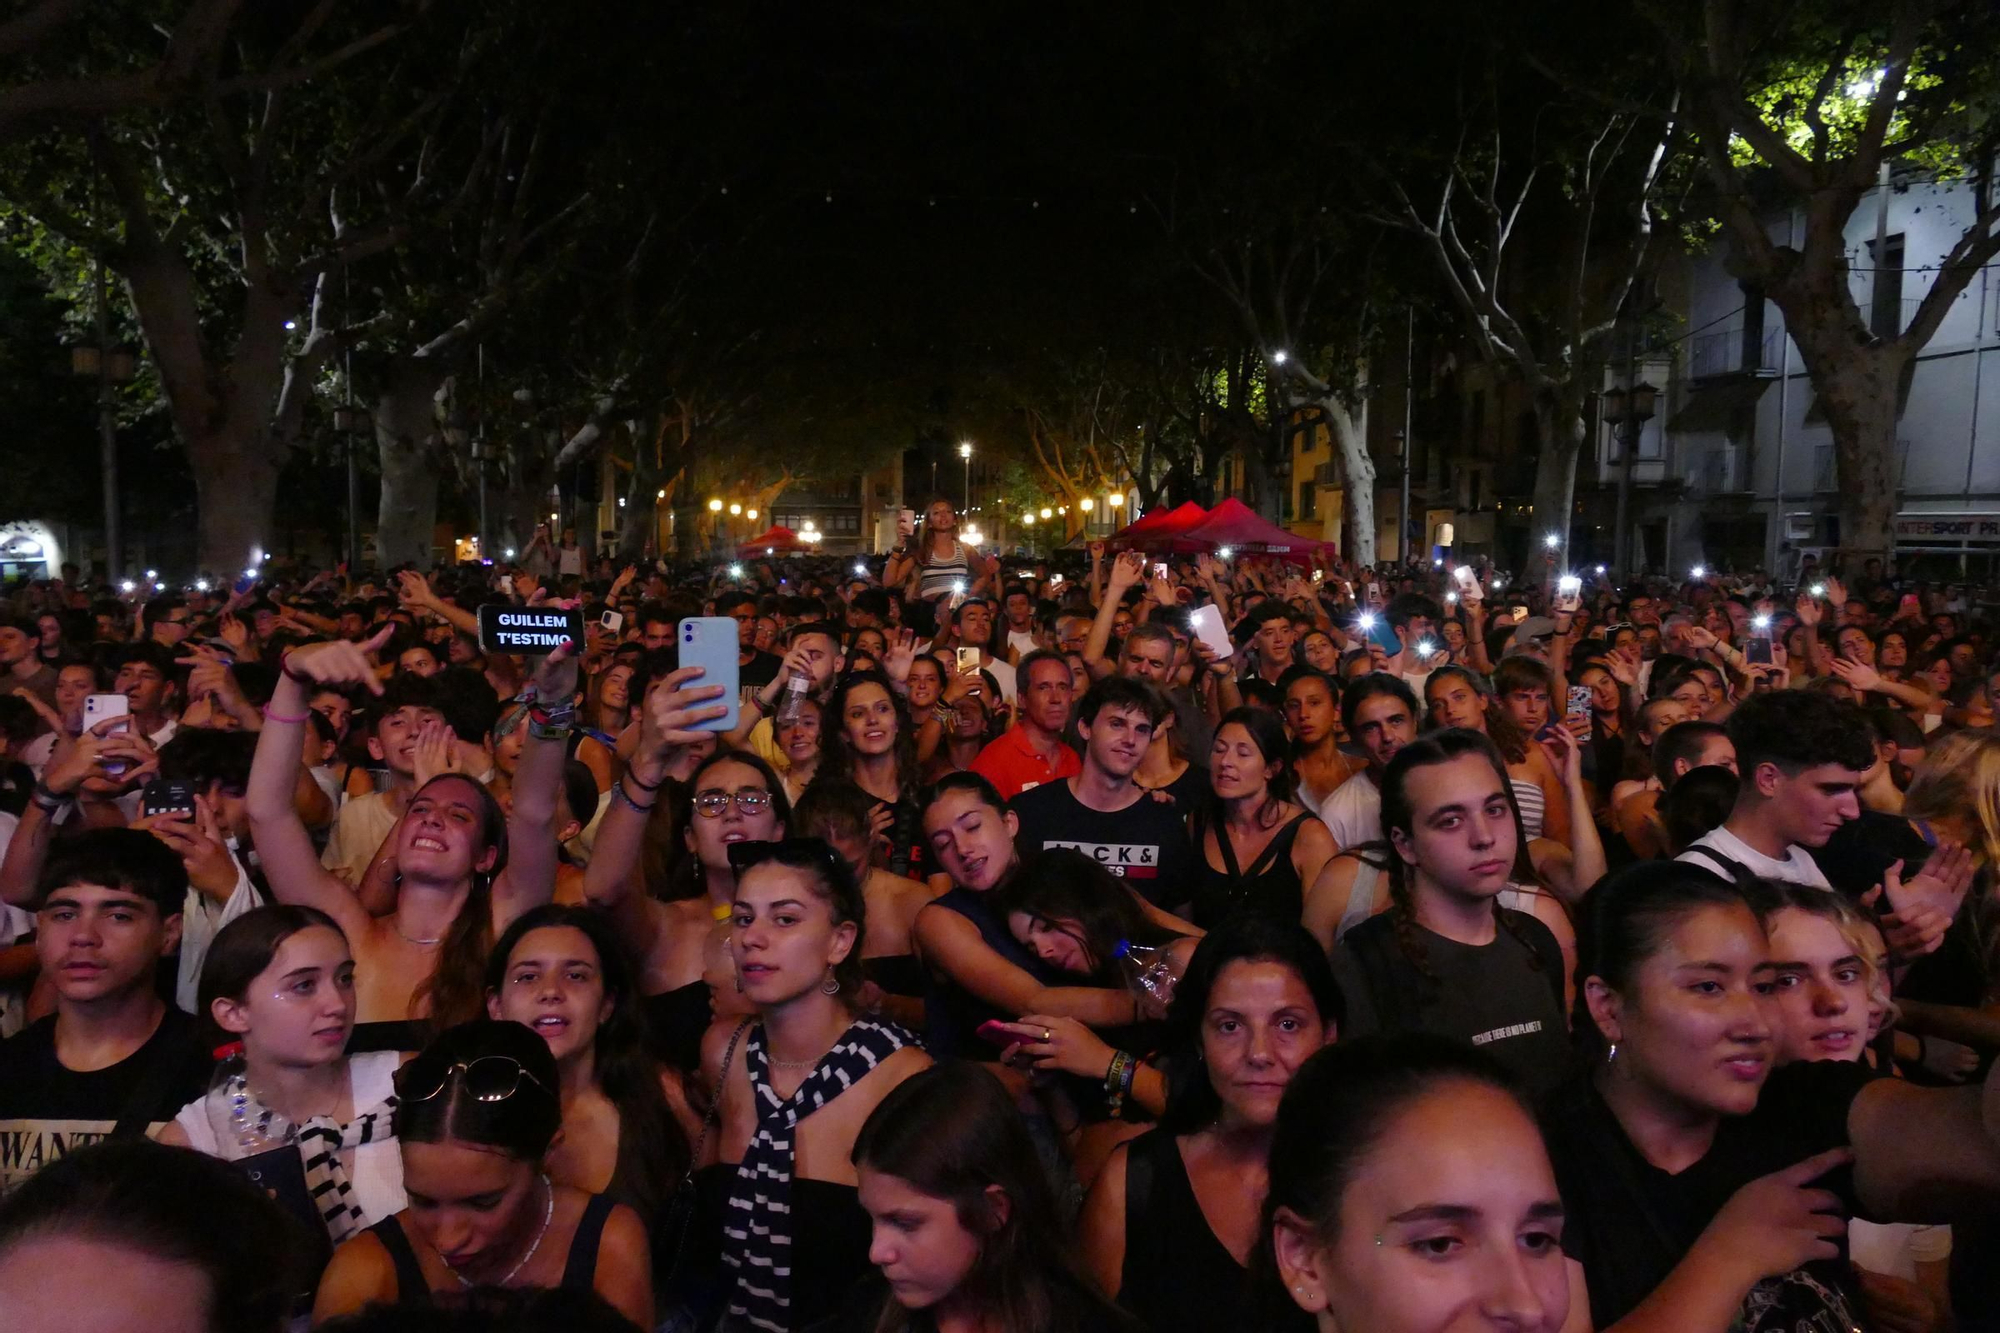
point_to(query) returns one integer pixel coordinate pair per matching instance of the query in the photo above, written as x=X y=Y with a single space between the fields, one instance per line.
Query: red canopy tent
x=1234 y=524
x=1157 y=526
x=776 y=540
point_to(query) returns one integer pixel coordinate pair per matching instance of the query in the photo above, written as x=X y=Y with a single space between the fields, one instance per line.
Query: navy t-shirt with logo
x=1146 y=843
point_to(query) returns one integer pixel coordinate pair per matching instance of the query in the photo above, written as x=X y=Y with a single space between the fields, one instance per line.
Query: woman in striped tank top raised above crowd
x=934 y=564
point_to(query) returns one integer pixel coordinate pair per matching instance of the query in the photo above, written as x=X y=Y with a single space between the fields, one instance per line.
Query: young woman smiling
x=872 y=744
x=794 y=1084
x=1170 y=1224
x=1706 y=1189
x=476 y=1115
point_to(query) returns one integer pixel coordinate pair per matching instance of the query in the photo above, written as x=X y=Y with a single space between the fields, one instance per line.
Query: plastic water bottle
x=794 y=704
x=243 y=1126
x=1149 y=971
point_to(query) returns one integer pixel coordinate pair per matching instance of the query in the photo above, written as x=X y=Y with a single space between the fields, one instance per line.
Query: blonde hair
x=1961 y=773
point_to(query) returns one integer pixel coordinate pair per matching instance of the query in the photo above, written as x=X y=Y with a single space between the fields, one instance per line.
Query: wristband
x=270 y=716
x=618 y=793
x=50 y=802
x=285 y=670
x=943 y=714
x=644 y=786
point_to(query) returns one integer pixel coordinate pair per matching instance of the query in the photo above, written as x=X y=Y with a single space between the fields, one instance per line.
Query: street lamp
x=1116 y=499
x=1048 y=513
x=736 y=511
x=1626 y=411
x=965 y=452
x=750 y=514
x=714 y=506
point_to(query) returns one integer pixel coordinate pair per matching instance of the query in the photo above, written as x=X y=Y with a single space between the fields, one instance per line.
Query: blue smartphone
x=1383 y=635
x=709 y=642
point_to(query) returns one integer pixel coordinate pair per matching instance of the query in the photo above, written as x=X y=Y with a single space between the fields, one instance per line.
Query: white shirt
x=376 y=1170
x=1354 y=812
x=1021 y=641
x=1796 y=868
x=1004 y=673
x=201 y=919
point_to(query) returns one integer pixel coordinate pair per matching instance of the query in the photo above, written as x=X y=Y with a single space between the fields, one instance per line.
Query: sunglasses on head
x=488 y=1078
x=798 y=853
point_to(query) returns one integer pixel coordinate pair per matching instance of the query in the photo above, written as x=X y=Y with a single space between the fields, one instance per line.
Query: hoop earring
x=831 y=986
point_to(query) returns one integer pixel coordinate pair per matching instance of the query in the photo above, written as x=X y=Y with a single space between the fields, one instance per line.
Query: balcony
x=1731 y=354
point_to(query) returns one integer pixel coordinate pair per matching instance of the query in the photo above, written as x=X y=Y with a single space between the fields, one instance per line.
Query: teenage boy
x=21 y=665
x=1380 y=713
x=973 y=625
x=394 y=724
x=1102 y=811
x=1031 y=752
x=1271 y=636
x=114 y=1058
x=1019 y=605
x=754 y=669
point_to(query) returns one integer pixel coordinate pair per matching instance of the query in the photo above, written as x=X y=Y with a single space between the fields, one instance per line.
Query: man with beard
x=1381 y=716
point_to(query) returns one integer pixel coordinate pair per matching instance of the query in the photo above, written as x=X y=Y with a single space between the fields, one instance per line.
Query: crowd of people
x=1129 y=941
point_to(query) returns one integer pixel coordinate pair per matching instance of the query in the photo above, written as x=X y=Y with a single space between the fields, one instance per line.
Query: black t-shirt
x=1146 y=843
x=48 y=1111
x=759 y=671
x=1504 y=997
x=1629 y=1222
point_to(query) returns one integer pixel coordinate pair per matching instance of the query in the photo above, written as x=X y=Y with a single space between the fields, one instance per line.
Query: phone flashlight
x=1367 y=622
x=1569 y=583
x=861 y=569
x=1699 y=571
x=1761 y=622
x=1817 y=590
x=1451 y=597
x=1425 y=647
x=736 y=571
x=958 y=585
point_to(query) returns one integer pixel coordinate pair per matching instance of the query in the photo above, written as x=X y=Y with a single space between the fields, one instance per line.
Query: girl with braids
x=869 y=741
x=1448 y=957
x=456 y=885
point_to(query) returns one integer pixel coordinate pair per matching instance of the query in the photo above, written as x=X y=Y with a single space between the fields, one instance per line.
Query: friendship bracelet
x=285 y=670
x=270 y=716
x=644 y=786
x=619 y=793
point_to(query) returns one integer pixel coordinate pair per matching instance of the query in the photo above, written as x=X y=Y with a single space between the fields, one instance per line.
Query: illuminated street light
x=750 y=514
x=1048 y=513
x=1279 y=357
x=662 y=495
x=1086 y=504
x=735 y=511
x=714 y=506
x=1116 y=499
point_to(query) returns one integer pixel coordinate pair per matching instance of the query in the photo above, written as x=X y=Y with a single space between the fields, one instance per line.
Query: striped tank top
x=937 y=577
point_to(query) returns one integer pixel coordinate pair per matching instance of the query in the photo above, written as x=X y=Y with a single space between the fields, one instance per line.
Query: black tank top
x=579 y=1271
x=1177 y=1275
x=675 y=1022
x=1270 y=884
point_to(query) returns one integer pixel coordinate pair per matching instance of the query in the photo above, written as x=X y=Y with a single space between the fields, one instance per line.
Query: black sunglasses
x=488 y=1078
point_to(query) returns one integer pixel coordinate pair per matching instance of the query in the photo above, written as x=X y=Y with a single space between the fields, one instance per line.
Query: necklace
x=411 y=939
x=776 y=1063
x=548 y=1211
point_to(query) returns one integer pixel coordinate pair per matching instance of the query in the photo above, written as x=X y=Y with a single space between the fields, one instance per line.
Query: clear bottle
x=796 y=686
x=718 y=962
x=244 y=1127
x=1149 y=971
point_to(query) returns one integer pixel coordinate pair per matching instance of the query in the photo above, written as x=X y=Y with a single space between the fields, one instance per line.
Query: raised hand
x=673 y=706
x=197 y=839
x=42 y=709
x=555 y=679
x=1698 y=637
x=1858 y=674
x=899 y=657
x=413 y=589
x=1808 y=608
x=1836 y=592
x=435 y=753
x=1127 y=571
x=236 y=634
x=338 y=662
x=1097 y=553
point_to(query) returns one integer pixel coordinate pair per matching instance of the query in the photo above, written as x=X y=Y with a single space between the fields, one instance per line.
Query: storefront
x=1945 y=544
x=28 y=550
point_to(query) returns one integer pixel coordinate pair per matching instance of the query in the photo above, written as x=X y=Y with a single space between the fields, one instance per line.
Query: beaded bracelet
x=270 y=716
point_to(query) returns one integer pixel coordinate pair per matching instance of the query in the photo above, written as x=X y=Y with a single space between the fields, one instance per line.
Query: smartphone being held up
x=709 y=642
x=1578 y=703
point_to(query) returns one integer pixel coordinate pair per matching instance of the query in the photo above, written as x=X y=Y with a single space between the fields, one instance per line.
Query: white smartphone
x=1206 y=622
x=97 y=708
x=611 y=621
x=1159 y=569
x=1468 y=583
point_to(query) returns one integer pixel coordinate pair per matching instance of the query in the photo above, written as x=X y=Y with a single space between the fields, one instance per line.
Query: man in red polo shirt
x=1032 y=752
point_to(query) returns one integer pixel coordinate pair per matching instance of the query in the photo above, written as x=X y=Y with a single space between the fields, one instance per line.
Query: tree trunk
x=1357 y=471
x=1859 y=385
x=236 y=487
x=406 y=436
x=1559 y=423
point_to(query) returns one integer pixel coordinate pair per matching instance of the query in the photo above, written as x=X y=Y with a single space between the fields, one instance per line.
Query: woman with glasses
x=681 y=943
x=794 y=1083
x=477 y=1113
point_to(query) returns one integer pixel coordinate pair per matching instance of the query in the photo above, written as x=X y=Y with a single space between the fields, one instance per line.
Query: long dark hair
x=1267 y=734
x=1626 y=919
x=650 y=1139
x=1335 y=1110
x=453 y=988
x=952 y=1132
x=1061 y=885
x=1499 y=728
x=681 y=875
x=1441 y=747
x=1192 y=1103
x=837 y=757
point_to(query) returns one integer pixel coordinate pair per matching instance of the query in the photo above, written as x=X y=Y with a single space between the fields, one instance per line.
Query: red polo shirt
x=1012 y=765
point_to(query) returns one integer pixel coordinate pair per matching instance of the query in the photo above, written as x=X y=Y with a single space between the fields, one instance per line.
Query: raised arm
x=1126 y=571
x=283 y=845
x=416 y=593
x=672 y=707
x=530 y=877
